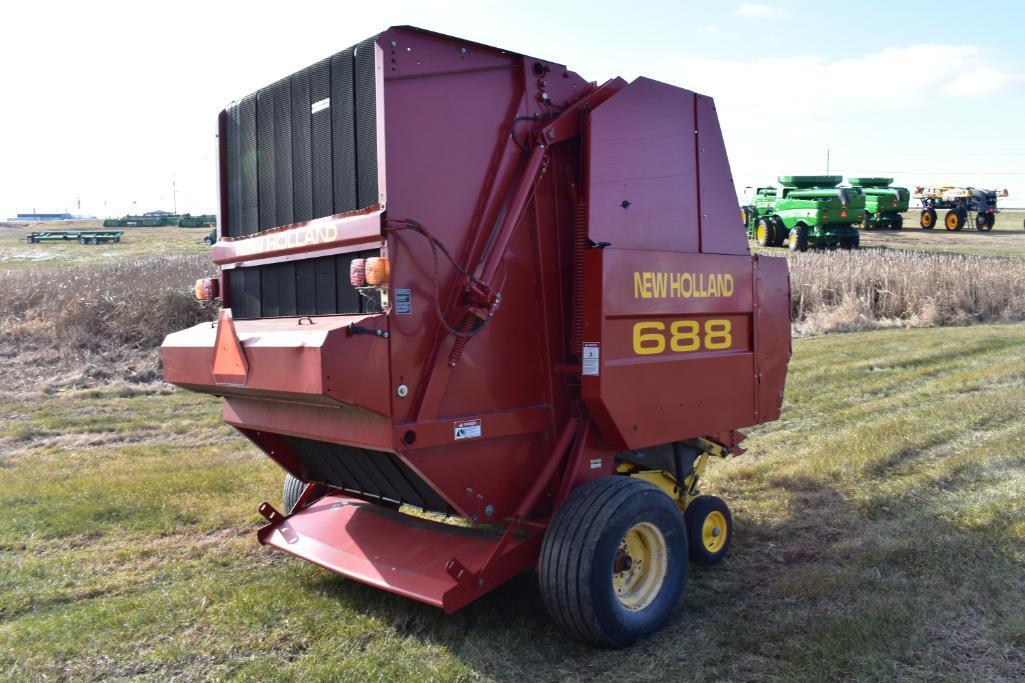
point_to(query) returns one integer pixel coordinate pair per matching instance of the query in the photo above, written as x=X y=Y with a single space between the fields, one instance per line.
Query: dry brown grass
x=92 y=323
x=861 y=290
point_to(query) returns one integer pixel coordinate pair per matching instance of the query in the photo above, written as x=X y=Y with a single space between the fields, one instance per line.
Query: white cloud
x=754 y=10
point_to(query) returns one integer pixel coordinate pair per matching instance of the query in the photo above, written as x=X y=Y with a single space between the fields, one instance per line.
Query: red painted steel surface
x=457 y=123
x=389 y=550
x=643 y=169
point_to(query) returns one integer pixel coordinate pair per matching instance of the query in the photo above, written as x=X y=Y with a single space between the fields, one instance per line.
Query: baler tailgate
x=389 y=550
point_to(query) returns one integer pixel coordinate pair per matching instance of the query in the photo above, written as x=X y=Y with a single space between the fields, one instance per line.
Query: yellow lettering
x=687 y=291
x=674 y=285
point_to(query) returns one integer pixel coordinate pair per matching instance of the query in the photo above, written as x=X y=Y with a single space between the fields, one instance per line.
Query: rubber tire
x=81 y=240
x=579 y=547
x=30 y=240
x=898 y=223
x=799 y=238
x=207 y=242
x=117 y=239
x=958 y=221
x=293 y=489
x=780 y=237
x=694 y=518
x=932 y=220
x=770 y=232
x=984 y=222
x=94 y=241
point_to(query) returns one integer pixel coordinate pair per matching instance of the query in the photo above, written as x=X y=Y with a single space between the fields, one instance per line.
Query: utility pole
x=174 y=193
x=827 y=159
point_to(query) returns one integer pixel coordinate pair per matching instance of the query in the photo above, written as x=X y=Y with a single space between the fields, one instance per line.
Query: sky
x=110 y=107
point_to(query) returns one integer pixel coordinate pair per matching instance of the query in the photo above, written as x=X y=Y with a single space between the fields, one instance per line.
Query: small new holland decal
x=591 y=359
x=467 y=429
x=320 y=105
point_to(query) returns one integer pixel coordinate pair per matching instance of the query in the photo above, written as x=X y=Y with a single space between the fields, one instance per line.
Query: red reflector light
x=377 y=270
x=207 y=288
x=843 y=214
x=358 y=272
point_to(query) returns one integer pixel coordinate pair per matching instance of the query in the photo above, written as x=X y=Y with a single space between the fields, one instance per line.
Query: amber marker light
x=207 y=289
x=358 y=272
x=377 y=270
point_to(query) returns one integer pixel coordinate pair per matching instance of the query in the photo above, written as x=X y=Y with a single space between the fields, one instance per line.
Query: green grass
x=15 y=253
x=880 y=534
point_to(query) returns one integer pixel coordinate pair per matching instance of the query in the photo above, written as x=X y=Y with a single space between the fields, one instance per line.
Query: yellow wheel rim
x=951 y=221
x=793 y=237
x=760 y=233
x=926 y=219
x=714 y=532
x=640 y=566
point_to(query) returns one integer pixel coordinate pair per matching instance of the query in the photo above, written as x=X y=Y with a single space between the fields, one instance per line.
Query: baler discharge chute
x=467 y=281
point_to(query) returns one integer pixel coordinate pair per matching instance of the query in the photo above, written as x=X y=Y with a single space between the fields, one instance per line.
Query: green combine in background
x=883 y=203
x=805 y=211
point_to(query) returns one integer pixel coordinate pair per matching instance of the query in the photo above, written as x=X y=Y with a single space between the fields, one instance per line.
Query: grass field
x=880 y=534
x=15 y=253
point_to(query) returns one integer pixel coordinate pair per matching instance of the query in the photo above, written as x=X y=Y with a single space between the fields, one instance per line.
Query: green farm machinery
x=144 y=221
x=203 y=221
x=883 y=203
x=211 y=237
x=80 y=236
x=803 y=212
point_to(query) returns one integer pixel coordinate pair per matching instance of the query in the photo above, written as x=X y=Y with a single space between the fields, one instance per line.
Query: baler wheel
x=799 y=238
x=709 y=530
x=953 y=220
x=614 y=561
x=928 y=219
x=293 y=489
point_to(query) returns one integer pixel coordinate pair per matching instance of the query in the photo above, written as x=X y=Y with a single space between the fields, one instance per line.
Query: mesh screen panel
x=370 y=473
x=302 y=148
x=315 y=286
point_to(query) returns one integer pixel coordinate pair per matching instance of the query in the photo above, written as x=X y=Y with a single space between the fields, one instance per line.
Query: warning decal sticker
x=591 y=358
x=403 y=301
x=466 y=429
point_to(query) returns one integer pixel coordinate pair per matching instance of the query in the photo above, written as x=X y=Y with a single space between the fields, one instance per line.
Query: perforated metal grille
x=316 y=286
x=370 y=473
x=304 y=147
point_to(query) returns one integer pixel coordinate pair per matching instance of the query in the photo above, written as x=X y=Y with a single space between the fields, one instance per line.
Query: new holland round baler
x=460 y=282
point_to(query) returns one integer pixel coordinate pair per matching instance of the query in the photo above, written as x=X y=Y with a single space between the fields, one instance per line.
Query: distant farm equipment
x=960 y=202
x=805 y=211
x=883 y=203
x=80 y=236
x=161 y=219
x=203 y=221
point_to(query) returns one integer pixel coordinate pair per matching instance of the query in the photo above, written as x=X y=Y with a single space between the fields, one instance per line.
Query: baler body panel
x=676 y=335
x=523 y=171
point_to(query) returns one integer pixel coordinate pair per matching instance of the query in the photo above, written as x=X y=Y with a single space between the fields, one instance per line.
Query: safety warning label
x=591 y=358
x=403 y=301
x=467 y=429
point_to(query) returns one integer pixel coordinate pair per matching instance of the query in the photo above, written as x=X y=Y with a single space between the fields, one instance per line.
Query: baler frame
x=558 y=235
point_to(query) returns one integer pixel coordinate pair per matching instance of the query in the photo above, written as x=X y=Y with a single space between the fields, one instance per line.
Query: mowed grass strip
x=879 y=535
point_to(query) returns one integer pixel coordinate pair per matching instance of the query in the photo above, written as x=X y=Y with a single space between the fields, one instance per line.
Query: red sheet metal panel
x=674 y=345
x=395 y=552
x=642 y=186
x=313 y=360
x=772 y=285
x=721 y=229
